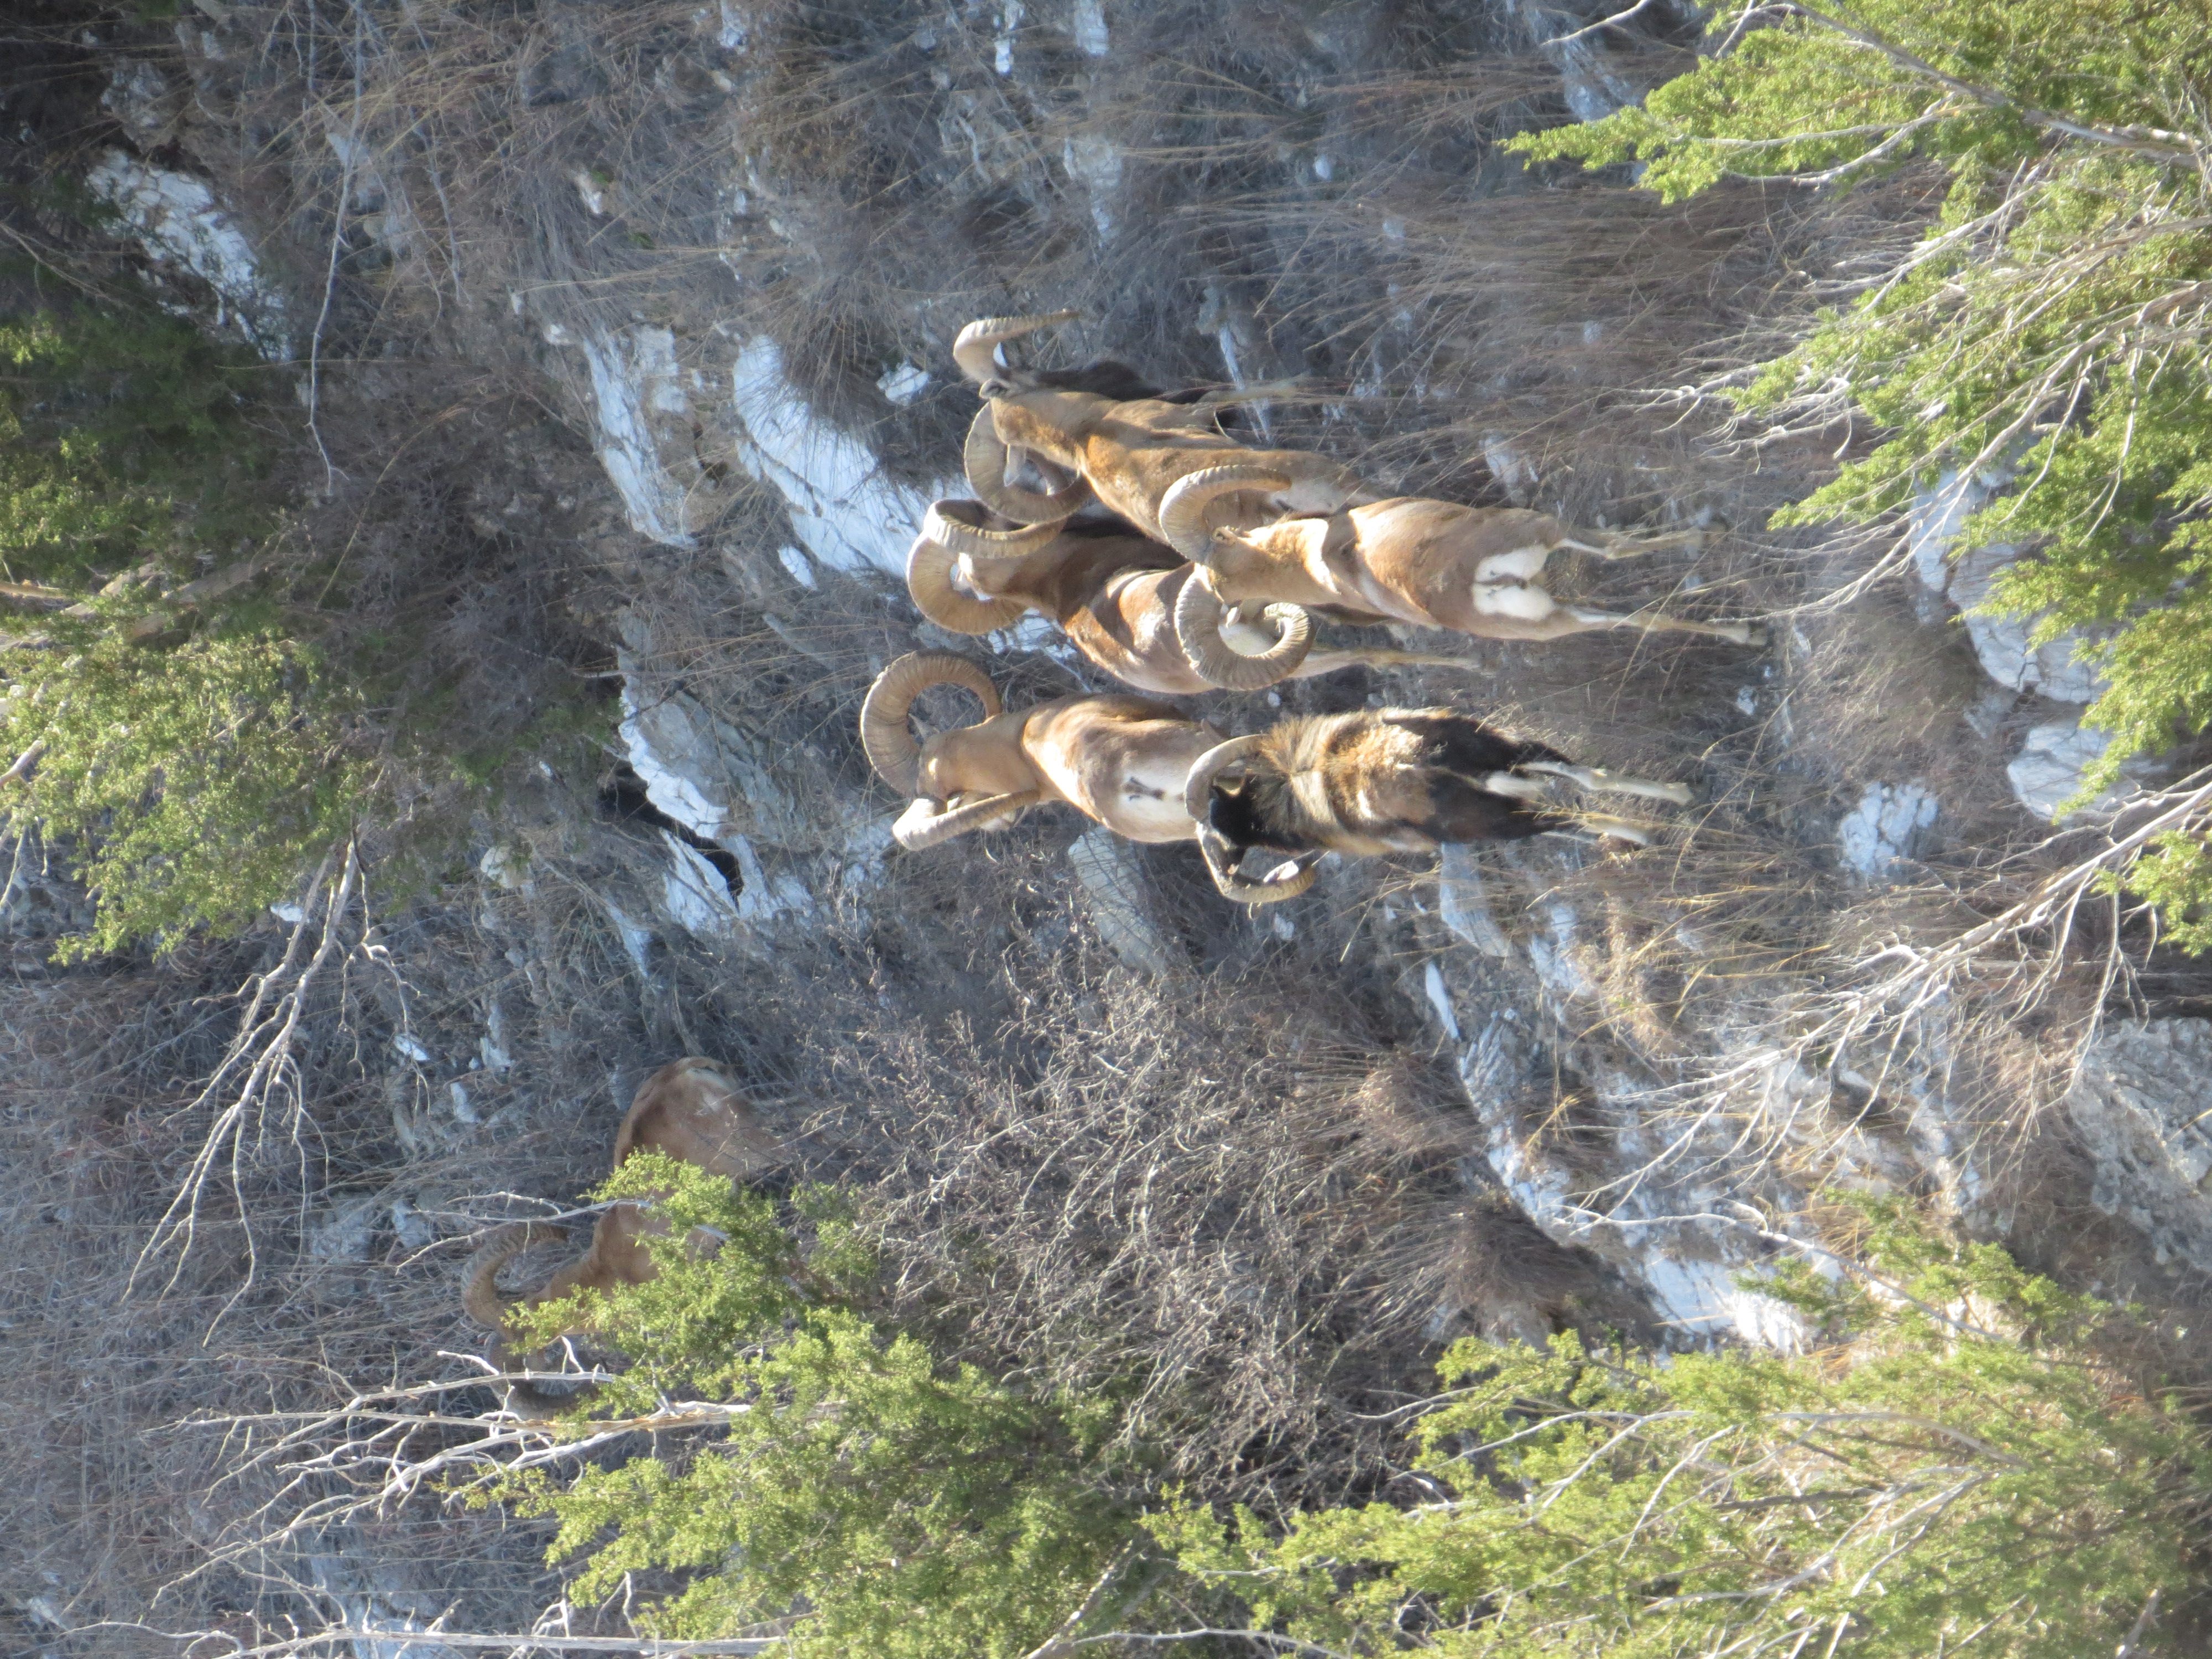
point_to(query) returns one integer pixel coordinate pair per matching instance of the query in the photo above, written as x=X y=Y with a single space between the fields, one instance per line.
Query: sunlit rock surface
x=846 y=510
x=711 y=777
x=2048 y=771
x=176 y=218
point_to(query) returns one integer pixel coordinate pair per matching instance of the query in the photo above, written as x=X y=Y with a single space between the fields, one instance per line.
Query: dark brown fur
x=1379 y=780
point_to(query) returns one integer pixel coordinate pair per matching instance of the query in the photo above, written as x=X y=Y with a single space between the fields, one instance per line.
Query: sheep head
x=989 y=458
x=1227 y=829
x=941 y=809
x=977 y=349
x=954 y=540
x=988 y=461
x=689 y=1110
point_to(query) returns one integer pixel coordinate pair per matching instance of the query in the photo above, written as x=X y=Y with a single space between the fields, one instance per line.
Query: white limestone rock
x=694 y=894
x=175 y=219
x=372 y=1595
x=506 y=865
x=2001 y=643
x=846 y=510
x=1463 y=901
x=707 y=775
x=641 y=418
x=1090 y=28
x=343 y=1234
x=2049 y=768
x=1938 y=514
x=1592 y=87
x=902 y=383
x=140 y=96
x=1687 y=1266
x=1886 y=828
x=1094 y=161
x=1556 y=958
x=764 y=895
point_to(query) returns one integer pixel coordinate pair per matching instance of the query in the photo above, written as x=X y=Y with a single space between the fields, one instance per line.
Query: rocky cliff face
x=731 y=436
x=731 y=245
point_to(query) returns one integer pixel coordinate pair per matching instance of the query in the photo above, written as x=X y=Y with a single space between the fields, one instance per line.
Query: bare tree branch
x=1613 y=22
x=2155 y=144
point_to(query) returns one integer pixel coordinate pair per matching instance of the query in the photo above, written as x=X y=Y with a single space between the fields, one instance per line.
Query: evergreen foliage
x=194 y=776
x=1951 y=1468
x=2049 y=333
x=124 y=434
x=196 y=781
x=1962 y=1476
x=894 y=1504
x=206 y=703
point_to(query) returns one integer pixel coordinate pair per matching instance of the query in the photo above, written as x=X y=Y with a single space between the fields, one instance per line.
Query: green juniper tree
x=125 y=436
x=1951 y=1471
x=1951 y=1468
x=879 y=1500
x=197 y=700
x=195 y=772
x=2051 y=330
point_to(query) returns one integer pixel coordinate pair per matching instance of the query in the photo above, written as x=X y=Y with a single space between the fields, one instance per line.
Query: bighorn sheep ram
x=1125 y=451
x=1380 y=780
x=1117 y=759
x=1474 y=569
x=689 y=1110
x=1114 y=592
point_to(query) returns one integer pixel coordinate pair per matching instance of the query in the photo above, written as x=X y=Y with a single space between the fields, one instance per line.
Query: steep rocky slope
x=1263 y=1163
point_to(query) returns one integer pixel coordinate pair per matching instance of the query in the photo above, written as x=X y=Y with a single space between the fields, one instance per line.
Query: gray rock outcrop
x=2143 y=1105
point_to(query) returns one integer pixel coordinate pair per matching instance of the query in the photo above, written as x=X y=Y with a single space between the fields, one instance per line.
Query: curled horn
x=480 y=1297
x=1285 y=881
x=890 y=747
x=975 y=349
x=1198 y=782
x=986 y=459
x=1198 y=630
x=479 y=1290
x=1183 y=509
x=994 y=558
x=929 y=567
x=920 y=826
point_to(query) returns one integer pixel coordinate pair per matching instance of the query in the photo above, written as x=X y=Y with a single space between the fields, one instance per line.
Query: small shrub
x=125 y=435
x=202 y=751
x=195 y=781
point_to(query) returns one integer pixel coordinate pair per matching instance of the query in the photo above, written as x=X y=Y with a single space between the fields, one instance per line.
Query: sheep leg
x=1739 y=633
x=1514 y=787
x=1591 y=777
x=1617 y=544
x=1327 y=662
x=1379 y=658
x=1614 y=828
